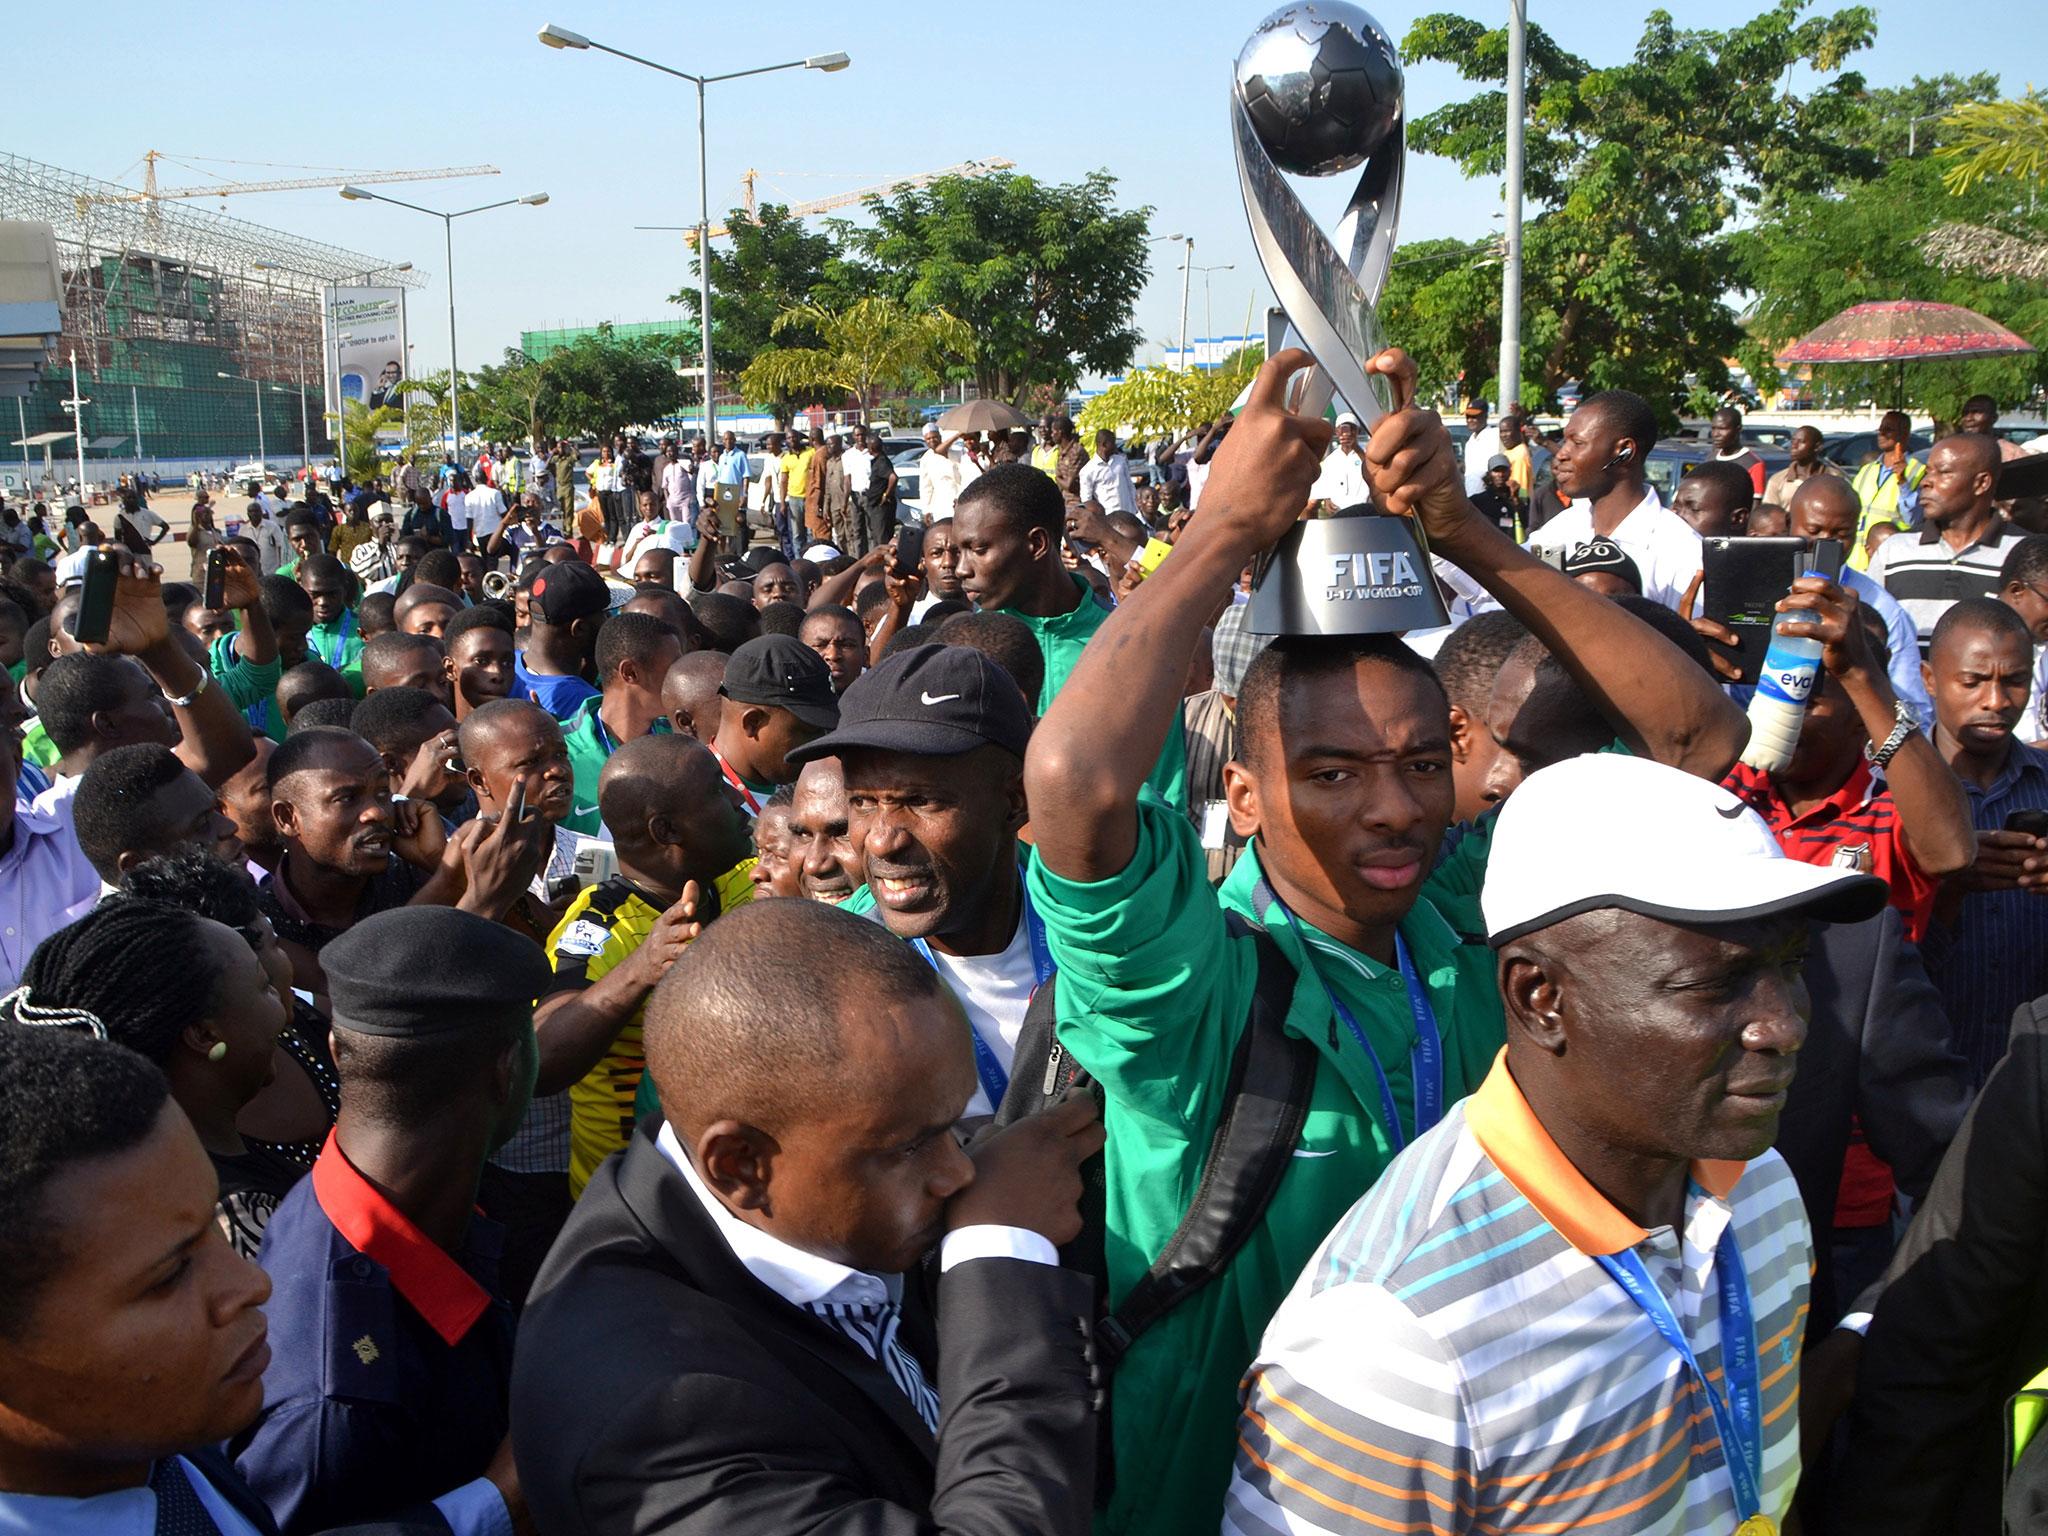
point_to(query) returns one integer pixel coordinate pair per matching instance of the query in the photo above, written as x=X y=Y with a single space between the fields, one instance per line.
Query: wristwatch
x=1907 y=723
x=205 y=682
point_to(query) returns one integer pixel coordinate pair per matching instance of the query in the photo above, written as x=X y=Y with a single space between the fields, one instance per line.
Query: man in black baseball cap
x=392 y=1354
x=565 y=606
x=932 y=746
x=783 y=691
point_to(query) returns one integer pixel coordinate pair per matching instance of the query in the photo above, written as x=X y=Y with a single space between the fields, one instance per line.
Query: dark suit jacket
x=1963 y=1321
x=1877 y=1048
x=657 y=1386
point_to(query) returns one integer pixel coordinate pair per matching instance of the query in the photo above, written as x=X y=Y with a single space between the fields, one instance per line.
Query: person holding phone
x=1988 y=947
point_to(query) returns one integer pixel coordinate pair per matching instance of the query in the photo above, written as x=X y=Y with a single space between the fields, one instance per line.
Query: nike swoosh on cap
x=1732 y=813
x=929 y=699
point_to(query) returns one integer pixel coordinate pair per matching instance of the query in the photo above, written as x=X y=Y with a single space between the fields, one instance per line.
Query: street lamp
x=1187 y=258
x=531 y=200
x=553 y=36
x=1208 y=320
x=262 y=456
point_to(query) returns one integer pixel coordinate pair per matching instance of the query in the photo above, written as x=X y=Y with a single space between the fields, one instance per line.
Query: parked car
x=1673 y=458
x=1850 y=451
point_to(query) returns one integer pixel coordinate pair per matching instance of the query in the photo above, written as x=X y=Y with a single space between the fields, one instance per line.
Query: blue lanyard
x=1738 y=1413
x=1425 y=1062
x=348 y=626
x=995 y=1082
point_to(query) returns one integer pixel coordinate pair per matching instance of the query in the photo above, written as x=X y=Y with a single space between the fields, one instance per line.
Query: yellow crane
x=152 y=194
x=859 y=194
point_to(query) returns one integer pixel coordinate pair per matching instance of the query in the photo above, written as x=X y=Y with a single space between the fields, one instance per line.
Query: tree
x=1442 y=305
x=1811 y=258
x=1639 y=170
x=1996 y=138
x=361 y=461
x=770 y=262
x=867 y=345
x=502 y=401
x=1163 y=402
x=600 y=383
x=1045 y=277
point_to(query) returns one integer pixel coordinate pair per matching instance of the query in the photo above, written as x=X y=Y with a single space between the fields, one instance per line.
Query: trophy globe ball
x=1321 y=83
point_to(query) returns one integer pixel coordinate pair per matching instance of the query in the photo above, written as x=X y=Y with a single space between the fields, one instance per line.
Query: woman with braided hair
x=191 y=995
x=294 y=1114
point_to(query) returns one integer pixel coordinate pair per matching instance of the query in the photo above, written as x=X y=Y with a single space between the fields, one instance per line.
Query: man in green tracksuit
x=1345 y=788
x=1009 y=525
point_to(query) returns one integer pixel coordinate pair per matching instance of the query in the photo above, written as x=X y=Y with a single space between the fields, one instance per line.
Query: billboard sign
x=365 y=342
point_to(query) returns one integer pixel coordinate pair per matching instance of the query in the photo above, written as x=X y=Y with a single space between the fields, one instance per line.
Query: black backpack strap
x=1265 y=1103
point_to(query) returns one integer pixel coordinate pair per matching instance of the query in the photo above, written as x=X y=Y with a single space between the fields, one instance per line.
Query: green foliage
x=1908 y=117
x=1443 y=305
x=869 y=344
x=1996 y=138
x=1638 y=171
x=1163 y=402
x=1811 y=258
x=360 y=428
x=1045 y=277
x=602 y=382
x=766 y=265
x=502 y=401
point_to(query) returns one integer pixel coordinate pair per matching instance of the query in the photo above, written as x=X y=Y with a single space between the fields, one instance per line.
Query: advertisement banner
x=365 y=338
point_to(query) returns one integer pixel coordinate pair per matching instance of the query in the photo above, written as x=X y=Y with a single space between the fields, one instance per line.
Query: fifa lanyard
x=1738 y=1416
x=1425 y=1061
x=348 y=627
x=738 y=783
x=995 y=1082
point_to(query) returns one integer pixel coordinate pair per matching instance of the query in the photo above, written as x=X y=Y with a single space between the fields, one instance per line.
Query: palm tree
x=1996 y=138
x=870 y=344
x=363 y=425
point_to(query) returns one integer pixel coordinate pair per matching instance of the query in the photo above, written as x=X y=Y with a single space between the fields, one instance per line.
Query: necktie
x=872 y=1327
x=178 y=1510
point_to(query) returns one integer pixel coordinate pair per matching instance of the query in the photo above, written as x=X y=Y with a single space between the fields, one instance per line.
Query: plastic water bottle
x=1791 y=667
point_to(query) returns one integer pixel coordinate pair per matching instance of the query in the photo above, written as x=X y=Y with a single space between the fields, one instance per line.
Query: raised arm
x=1083 y=780
x=216 y=743
x=1661 y=702
x=838 y=589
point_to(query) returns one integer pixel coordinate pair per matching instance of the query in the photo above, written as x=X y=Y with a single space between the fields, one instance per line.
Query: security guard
x=391 y=1349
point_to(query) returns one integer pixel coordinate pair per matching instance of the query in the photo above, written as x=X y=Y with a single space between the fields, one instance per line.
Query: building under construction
x=160 y=301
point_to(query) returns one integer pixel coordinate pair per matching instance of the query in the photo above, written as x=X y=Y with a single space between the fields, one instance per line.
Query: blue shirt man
x=1987 y=948
x=734 y=467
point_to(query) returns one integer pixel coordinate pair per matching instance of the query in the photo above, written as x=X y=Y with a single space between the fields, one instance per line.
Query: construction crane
x=860 y=194
x=152 y=194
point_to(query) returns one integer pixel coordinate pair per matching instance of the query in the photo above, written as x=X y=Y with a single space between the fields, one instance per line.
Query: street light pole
x=1511 y=268
x=553 y=36
x=531 y=200
x=1187 y=262
x=78 y=406
x=1208 y=318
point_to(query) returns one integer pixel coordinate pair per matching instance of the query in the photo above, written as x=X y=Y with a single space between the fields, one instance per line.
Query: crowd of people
x=530 y=1008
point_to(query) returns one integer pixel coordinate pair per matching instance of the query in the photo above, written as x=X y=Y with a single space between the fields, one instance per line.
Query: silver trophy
x=1317 y=92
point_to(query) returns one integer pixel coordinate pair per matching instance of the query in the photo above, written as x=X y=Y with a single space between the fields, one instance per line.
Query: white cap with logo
x=1611 y=830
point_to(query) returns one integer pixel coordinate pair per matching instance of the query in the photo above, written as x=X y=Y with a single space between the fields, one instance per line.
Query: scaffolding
x=159 y=301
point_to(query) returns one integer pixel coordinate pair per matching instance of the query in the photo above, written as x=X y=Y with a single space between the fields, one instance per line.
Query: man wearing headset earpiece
x=1599 y=468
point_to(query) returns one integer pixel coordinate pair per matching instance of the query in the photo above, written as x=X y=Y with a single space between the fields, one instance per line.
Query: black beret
x=419 y=971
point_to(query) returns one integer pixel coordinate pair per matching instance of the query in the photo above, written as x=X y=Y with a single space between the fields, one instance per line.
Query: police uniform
x=391 y=1356
x=604 y=925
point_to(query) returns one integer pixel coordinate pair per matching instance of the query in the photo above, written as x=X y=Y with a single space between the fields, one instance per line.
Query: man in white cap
x=1584 y=1291
x=938 y=474
x=1342 y=481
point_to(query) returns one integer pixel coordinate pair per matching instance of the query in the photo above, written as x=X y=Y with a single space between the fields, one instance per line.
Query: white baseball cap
x=1610 y=830
x=1345 y=418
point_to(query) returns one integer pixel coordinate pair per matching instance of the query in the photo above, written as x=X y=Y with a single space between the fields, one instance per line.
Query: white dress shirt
x=1479 y=447
x=1341 y=481
x=859 y=465
x=1107 y=482
x=938 y=483
x=1663 y=545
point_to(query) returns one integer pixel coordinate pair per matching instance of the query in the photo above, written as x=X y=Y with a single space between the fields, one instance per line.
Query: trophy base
x=1358 y=573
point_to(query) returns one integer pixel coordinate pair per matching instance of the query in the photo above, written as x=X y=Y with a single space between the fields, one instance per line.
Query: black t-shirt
x=396 y=886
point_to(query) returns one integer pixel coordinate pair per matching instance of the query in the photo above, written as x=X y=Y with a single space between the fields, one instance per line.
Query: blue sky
x=1059 y=87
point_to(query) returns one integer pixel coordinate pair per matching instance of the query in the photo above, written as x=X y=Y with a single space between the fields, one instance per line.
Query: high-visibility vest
x=1879 y=491
x=2028 y=1409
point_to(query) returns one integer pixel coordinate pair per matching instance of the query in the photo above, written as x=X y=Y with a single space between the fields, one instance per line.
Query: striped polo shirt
x=1928 y=577
x=1453 y=1359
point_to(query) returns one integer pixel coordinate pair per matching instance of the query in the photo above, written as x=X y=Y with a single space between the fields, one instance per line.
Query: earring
x=218 y=1051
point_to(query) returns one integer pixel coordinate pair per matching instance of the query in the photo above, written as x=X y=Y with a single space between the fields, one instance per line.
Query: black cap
x=760 y=557
x=419 y=971
x=781 y=670
x=932 y=700
x=570 y=591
